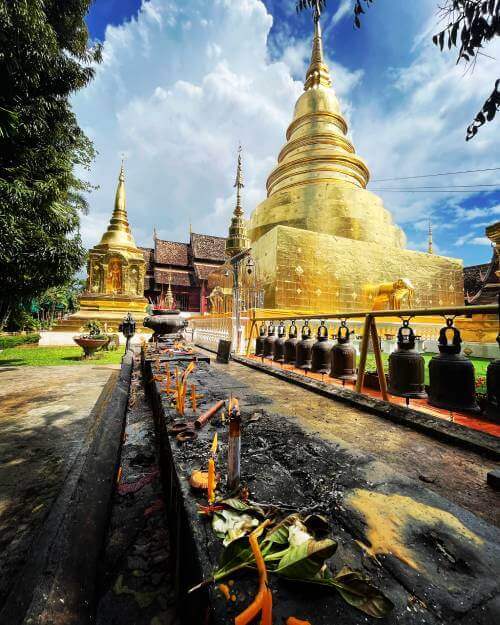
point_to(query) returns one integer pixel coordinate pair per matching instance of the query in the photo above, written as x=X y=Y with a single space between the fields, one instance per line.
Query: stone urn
x=165 y=324
x=90 y=345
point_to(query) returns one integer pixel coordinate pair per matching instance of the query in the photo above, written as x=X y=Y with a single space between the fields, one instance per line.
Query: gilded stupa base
x=109 y=310
x=315 y=272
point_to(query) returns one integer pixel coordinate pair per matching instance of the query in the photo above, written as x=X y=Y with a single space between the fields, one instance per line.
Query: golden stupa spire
x=429 y=249
x=118 y=233
x=318 y=72
x=237 y=240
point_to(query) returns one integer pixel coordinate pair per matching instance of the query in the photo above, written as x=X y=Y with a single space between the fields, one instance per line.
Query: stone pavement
x=46 y=420
x=135 y=585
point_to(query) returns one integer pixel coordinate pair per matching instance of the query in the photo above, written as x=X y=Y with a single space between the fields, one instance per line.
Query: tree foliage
x=470 y=24
x=317 y=6
x=44 y=58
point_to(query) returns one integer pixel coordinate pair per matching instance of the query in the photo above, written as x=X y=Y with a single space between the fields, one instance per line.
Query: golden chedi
x=321 y=240
x=115 y=273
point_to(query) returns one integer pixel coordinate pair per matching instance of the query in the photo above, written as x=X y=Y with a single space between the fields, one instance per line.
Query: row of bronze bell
x=320 y=356
x=451 y=374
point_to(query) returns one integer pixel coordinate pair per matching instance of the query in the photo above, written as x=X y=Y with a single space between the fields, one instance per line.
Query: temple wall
x=320 y=272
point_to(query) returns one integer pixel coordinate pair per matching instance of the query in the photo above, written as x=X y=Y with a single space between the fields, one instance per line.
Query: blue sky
x=182 y=84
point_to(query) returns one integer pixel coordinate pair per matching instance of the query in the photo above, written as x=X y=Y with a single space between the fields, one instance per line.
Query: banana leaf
x=306 y=560
x=356 y=590
x=236 y=553
x=241 y=506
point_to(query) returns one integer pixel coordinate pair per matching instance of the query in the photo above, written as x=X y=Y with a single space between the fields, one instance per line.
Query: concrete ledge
x=446 y=431
x=57 y=584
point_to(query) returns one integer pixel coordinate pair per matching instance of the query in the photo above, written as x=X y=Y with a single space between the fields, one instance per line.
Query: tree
x=44 y=58
x=469 y=25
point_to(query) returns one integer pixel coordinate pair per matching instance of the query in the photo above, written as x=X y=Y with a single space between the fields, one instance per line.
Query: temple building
x=321 y=240
x=186 y=266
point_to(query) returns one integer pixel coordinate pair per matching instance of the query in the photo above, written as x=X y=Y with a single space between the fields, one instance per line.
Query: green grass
x=54 y=356
x=480 y=366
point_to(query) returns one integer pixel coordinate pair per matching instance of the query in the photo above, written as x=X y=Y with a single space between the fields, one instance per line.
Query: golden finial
x=318 y=72
x=430 y=250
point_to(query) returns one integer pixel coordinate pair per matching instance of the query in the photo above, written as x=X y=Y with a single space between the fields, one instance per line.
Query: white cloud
x=180 y=87
x=481 y=241
x=471 y=239
x=345 y=8
x=470 y=214
x=418 y=127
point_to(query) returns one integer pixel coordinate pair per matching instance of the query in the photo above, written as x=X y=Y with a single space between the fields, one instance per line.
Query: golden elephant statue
x=391 y=294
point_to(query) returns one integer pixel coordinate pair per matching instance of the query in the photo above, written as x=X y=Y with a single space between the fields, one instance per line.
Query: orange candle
x=211 y=480
x=211 y=471
x=193 y=396
x=168 y=379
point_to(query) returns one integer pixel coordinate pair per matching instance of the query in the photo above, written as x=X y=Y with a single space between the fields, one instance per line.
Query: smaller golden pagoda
x=115 y=273
x=237 y=240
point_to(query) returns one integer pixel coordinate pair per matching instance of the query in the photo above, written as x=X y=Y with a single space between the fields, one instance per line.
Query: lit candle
x=211 y=471
x=193 y=396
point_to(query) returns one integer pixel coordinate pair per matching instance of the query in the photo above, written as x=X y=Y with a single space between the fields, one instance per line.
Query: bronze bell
x=269 y=341
x=321 y=351
x=406 y=366
x=343 y=357
x=451 y=374
x=279 y=344
x=291 y=344
x=493 y=388
x=303 y=353
x=259 y=341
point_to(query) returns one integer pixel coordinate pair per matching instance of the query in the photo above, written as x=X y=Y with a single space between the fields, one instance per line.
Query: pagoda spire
x=238 y=184
x=237 y=240
x=318 y=72
x=429 y=249
x=118 y=232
